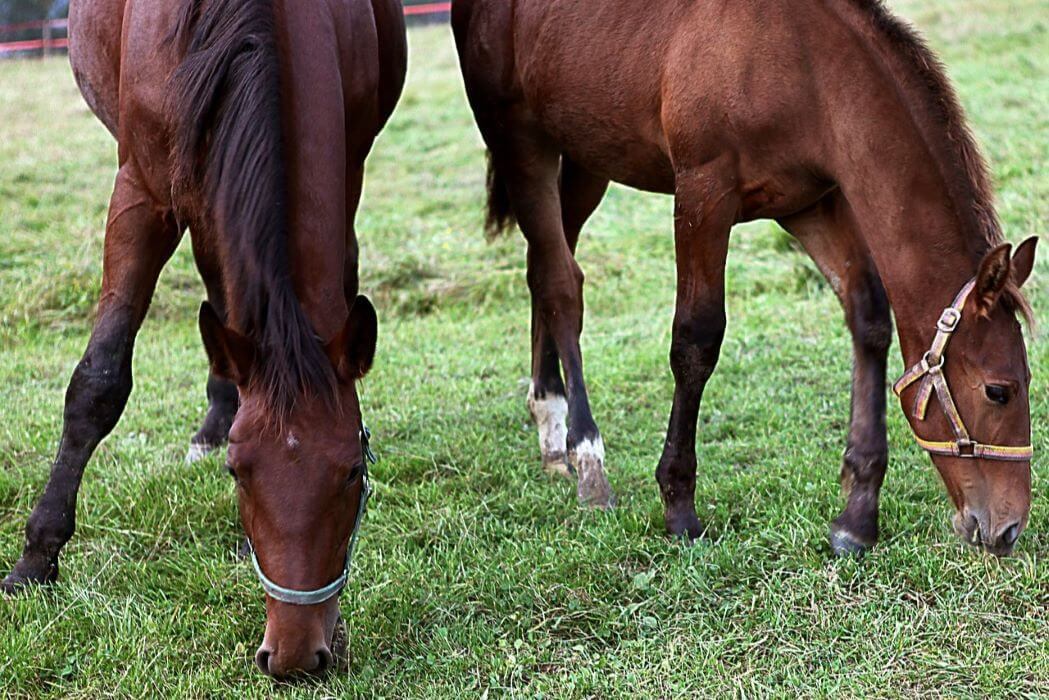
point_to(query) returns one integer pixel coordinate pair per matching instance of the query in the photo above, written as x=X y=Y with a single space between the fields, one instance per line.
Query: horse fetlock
x=588 y=460
x=866 y=465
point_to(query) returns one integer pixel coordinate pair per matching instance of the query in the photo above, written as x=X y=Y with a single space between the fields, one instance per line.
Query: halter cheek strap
x=319 y=595
x=930 y=372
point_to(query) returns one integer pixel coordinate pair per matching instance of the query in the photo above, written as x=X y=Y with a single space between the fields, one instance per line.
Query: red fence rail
x=48 y=27
x=46 y=42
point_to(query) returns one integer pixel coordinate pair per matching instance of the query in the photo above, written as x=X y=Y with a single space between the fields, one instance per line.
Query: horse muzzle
x=977 y=529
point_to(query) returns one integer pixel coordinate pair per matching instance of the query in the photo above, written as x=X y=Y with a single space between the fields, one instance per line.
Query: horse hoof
x=340 y=647
x=845 y=544
x=594 y=491
x=557 y=465
x=10 y=585
x=685 y=526
x=198 y=451
x=25 y=575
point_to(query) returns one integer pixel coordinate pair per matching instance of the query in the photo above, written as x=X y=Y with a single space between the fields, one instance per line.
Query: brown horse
x=249 y=122
x=829 y=116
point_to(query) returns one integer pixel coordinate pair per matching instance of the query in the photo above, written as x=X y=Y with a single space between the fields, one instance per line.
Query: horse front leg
x=828 y=233
x=867 y=451
x=140 y=237
x=705 y=207
x=222 y=394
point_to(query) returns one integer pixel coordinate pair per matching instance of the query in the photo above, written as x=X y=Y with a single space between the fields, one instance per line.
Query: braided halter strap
x=930 y=372
x=319 y=595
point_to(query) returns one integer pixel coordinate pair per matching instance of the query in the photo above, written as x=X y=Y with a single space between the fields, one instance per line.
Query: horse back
x=635 y=91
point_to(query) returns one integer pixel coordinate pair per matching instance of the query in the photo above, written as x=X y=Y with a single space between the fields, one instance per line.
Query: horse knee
x=696 y=345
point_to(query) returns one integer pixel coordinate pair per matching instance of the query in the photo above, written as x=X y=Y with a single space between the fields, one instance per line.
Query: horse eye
x=355 y=473
x=997 y=393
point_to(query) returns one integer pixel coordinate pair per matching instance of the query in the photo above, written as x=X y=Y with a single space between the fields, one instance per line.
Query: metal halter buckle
x=948 y=320
x=967 y=448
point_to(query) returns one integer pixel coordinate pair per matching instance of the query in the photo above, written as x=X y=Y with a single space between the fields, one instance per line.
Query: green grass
x=476 y=572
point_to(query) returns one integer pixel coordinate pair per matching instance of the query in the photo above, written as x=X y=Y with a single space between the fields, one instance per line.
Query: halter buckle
x=948 y=320
x=967 y=448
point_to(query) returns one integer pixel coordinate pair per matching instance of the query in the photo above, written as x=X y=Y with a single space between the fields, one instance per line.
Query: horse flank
x=228 y=154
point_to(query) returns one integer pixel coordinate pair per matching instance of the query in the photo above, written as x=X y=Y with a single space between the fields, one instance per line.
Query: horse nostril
x=262 y=660
x=324 y=660
x=1010 y=534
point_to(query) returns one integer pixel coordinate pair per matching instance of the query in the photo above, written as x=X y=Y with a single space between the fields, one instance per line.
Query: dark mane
x=942 y=103
x=228 y=151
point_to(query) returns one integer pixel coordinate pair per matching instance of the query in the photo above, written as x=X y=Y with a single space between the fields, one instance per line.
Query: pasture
x=477 y=574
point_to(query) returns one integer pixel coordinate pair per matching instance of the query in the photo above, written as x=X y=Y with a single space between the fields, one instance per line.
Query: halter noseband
x=319 y=595
x=930 y=371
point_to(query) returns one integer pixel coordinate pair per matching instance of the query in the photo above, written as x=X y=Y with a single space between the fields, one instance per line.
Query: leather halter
x=930 y=371
x=319 y=595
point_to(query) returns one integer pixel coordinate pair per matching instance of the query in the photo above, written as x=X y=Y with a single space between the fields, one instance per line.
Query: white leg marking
x=551 y=415
x=588 y=458
x=197 y=452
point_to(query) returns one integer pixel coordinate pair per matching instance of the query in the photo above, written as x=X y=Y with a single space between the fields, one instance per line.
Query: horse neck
x=908 y=190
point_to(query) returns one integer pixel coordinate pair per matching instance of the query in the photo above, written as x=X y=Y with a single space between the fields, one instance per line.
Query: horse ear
x=992 y=278
x=231 y=354
x=1023 y=261
x=352 y=351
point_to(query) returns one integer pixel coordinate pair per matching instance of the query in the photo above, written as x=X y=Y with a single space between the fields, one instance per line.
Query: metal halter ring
x=930 y=367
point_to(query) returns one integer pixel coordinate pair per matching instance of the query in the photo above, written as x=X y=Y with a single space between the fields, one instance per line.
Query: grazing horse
x=829 y=116
x=249 y=122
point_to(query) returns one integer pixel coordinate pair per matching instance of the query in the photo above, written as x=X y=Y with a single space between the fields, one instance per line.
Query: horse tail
x=500 y=215
x=228 y=150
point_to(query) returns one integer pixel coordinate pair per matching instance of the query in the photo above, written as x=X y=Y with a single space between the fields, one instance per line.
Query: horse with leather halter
x=247 y=121
x=828 y=116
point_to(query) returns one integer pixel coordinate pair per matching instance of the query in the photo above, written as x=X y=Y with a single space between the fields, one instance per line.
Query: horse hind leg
x=580 y=194
x=139 y=241
x=528 y=166
x=828 y=234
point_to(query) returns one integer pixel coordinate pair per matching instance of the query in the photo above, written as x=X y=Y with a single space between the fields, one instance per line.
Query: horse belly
x=591 y=73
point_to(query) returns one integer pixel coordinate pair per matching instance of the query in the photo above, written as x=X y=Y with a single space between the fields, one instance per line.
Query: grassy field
x=477 y=573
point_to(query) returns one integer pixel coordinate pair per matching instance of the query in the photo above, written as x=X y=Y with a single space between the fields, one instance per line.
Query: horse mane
x=228 y=150
x=958 y=143
x=942 y=102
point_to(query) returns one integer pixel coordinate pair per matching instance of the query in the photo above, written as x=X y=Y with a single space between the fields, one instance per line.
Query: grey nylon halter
x=320 y=595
